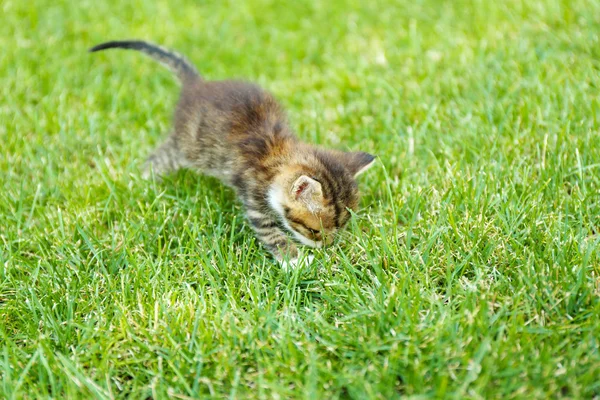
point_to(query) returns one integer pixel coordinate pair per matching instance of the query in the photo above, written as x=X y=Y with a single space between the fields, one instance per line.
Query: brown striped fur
x=237 y=132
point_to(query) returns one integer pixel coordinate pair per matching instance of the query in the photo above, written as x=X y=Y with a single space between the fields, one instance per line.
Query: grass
x=471 y=271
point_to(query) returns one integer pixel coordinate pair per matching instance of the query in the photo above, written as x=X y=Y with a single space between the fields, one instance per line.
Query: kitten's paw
x=149 y=173
x=297 y=262
x=288 y=265
x=146 y=174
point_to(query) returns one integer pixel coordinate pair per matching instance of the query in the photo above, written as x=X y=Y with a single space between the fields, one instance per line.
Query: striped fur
x=235 y=131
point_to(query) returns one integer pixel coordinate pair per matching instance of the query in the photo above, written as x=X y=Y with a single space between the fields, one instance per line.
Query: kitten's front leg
x=273 y=238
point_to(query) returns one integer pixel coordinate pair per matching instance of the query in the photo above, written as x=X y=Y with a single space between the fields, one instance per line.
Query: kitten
x=238 y=133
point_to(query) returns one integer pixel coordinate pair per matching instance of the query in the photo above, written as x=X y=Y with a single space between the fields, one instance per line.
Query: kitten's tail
x=178 y=64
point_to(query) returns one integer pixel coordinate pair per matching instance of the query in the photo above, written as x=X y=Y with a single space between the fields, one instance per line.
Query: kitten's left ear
x=357 y=162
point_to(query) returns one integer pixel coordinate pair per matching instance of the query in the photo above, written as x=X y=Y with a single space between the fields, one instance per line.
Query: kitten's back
x=219 y=122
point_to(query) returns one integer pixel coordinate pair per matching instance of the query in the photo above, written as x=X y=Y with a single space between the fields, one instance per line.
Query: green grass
x=471 y=271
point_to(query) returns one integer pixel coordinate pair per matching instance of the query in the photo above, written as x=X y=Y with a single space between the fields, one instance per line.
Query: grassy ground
x=472 y=269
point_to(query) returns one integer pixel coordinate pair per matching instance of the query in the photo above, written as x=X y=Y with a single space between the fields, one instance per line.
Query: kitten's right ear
x=356 y=162
x=308 y=192
x=305 y=188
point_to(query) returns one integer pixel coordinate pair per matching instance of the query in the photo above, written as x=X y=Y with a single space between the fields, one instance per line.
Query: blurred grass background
x=470 y=271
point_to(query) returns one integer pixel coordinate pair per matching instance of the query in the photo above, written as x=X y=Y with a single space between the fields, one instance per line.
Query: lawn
x=472 y=269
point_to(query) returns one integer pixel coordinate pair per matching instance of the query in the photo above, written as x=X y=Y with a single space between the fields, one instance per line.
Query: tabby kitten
x=238 y=133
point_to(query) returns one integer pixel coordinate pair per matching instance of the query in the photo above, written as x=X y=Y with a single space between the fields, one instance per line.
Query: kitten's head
x=313 y=198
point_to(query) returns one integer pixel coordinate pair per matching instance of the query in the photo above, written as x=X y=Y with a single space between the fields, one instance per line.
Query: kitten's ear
x=357 y=162
x=307 y=190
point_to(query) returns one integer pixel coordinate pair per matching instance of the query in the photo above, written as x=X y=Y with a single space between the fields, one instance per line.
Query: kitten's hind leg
x=165 y=159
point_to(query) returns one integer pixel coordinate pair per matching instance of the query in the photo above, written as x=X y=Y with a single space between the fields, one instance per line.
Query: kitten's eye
x=313 y=231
